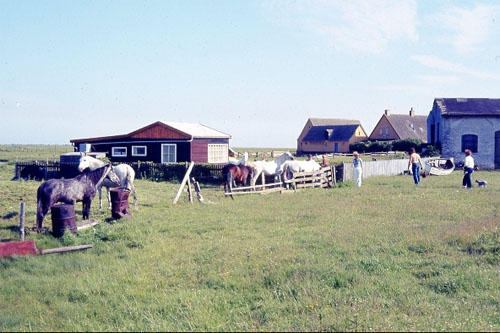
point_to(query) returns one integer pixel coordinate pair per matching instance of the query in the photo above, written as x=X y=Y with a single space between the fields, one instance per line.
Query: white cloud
x=466 y=30
x=435 y=62
x=354 y=25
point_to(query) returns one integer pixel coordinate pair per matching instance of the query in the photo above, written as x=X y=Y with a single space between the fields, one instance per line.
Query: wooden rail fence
x=324 y=178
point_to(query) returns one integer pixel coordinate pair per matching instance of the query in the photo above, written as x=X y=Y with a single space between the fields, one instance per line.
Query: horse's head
x=289 y=156
x=83 y=163
x=112 y=176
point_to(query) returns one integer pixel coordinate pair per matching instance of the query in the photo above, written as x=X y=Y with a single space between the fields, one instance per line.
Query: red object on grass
x=21 y=248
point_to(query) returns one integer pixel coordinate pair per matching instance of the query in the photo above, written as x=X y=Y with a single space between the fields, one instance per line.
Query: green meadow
x=389 y=256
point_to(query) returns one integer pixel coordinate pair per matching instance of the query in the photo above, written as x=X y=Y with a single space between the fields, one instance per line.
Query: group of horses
x=99 y=174
x=95 y=175
x=246 y=173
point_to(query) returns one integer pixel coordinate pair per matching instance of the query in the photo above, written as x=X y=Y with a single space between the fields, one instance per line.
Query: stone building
x=456 y=124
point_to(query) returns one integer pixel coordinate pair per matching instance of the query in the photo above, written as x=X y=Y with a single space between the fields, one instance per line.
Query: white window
x=168 y=153
x=381 y=132
x=218 y=153
x=139 y=150
x=119 y=152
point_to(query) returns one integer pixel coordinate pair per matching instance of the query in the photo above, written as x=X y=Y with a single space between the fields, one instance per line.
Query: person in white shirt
x=358 y=169
x=468 y=169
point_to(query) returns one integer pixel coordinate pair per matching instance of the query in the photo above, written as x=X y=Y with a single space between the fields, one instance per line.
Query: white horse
x=272 y=168
x=242 y=161
x=123 y=171
x=291 y=167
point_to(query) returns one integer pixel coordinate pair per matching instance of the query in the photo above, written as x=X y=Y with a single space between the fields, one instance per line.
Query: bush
x=407 y=144
x=385 y=146
x=361 y=147
x=430 y=151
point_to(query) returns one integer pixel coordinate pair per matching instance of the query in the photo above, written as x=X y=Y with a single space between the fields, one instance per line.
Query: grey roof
x=198 y=130
x=335 y=133
x=407 y=126
x=468 y=106
x=333 y=122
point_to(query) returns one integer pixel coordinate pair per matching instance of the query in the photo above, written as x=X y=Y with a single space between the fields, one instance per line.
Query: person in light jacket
x=468 y=169
x=358 y=169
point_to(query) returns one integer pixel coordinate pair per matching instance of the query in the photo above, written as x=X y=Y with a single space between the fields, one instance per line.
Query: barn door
x=497 y=150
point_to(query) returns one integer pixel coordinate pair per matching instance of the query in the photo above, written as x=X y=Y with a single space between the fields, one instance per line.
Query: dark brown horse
x=236 y=175
x=81 y=188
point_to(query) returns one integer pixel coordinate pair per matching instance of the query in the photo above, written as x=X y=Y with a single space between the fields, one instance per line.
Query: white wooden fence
x=379 y=168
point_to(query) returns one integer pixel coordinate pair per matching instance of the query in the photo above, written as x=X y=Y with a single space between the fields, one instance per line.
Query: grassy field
x=388 y=256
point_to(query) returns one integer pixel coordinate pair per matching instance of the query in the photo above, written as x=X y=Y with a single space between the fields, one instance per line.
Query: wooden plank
x=265 y=191
x=190 y=191
x=244 y=188
x=183 y=183
x=307 y=180
x=66 y=249
x=89 y=223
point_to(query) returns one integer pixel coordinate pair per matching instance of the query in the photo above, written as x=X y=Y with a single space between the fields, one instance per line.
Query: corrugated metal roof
x=198 y=130
x=469 y=106
x=334 y=133
x=407 y=126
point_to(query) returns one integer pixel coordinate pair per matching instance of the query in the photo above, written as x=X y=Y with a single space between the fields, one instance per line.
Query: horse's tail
x=39 y=209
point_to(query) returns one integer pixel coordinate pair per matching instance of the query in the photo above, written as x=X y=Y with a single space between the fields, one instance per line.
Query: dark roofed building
x=400 y=126
x=160 y=142
x=456 y=124
x=323 y=135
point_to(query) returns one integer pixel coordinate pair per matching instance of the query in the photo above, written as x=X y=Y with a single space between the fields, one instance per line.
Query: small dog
x=481 y=183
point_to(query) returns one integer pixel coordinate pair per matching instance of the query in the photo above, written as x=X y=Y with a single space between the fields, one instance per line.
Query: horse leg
x=254 y=179
x=41 y=211
x=86 y=208
x=229 y=182
x=108 y=195
x=99 y=189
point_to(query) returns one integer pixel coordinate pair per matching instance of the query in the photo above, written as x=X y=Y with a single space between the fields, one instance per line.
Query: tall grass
x=387 y=256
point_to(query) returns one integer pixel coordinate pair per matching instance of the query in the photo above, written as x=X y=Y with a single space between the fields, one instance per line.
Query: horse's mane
x=93 y=176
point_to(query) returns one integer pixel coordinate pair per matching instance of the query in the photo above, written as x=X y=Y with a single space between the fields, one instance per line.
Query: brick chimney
x=412 y=112
x=387 y=112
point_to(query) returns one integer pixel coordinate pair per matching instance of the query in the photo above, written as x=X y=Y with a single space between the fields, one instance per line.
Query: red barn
x=160 y=142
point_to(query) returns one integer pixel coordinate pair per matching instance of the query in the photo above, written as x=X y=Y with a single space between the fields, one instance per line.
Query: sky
x=255 y=69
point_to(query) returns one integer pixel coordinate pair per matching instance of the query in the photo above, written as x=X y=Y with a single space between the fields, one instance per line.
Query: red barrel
x=119 y=203
x=63 y=217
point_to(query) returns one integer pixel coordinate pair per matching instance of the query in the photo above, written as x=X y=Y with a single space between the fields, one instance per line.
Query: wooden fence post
x=190 y=191
x=334 y=175
x=343 y=171
x=21 y=222
x=184 y=181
